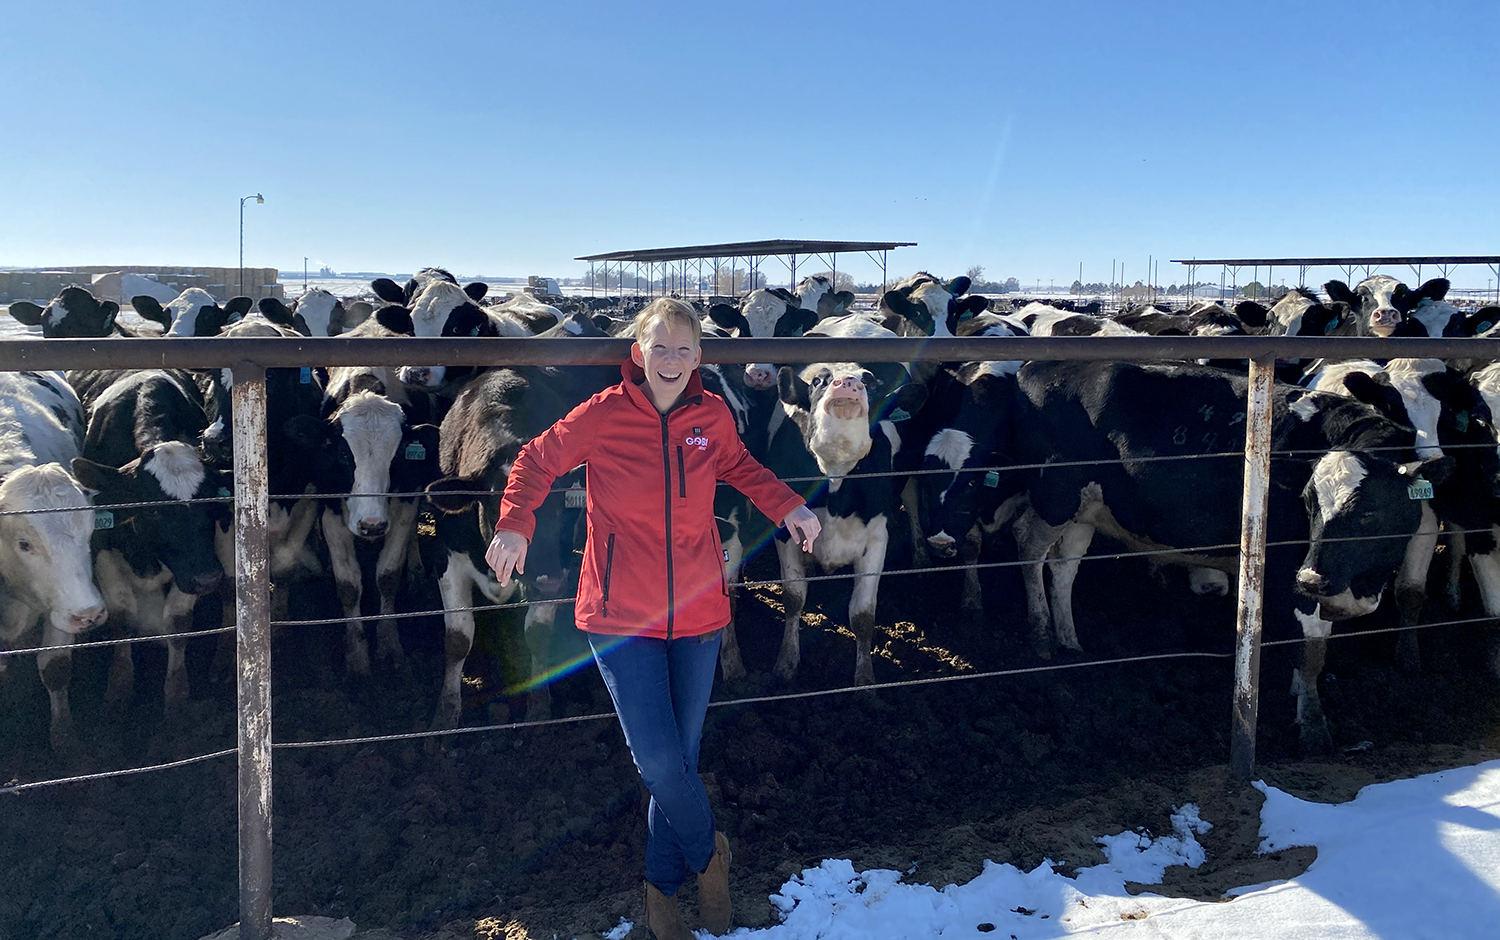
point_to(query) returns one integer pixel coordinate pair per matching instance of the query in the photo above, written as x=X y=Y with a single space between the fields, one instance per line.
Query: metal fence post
x=253 y=647
x=1255 y=508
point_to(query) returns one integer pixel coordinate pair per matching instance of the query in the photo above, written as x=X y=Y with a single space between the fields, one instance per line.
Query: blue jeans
x=661 y=690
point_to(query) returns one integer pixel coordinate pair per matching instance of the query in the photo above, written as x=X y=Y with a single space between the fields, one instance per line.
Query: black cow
x=152 y=562
x=1112 y=412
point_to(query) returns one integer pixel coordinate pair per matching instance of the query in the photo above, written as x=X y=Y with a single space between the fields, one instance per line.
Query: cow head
x=315 y=313
x=931 y=307
x=403 y=295
x=195 y=312
x=178 y=535
x=441 y=309
x=74 y=313
x=1353 y=494
x=831 y=403
x=45 y=556
x=1382 y=304
x=769 y=312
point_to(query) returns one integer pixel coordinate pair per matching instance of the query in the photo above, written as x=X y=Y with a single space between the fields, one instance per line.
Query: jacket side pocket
x=609 y=564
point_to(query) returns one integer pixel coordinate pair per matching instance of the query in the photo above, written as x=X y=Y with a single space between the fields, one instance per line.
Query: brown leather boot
x=663 y=918
x=713 y=888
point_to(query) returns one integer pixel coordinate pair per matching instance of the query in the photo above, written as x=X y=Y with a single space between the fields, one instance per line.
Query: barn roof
x=774 y=246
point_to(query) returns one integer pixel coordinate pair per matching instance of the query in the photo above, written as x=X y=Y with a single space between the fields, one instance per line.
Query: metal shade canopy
x=774 y=246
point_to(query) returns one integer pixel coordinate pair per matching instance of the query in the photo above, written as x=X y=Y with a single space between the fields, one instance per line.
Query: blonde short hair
x=672 y=312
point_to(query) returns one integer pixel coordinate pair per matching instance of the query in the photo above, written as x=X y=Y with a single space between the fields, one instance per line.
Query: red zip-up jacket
x=654 y=565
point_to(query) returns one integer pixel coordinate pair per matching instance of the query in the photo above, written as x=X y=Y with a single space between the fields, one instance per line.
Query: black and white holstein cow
x=1482 y=507
x=835 y=429
x=1383 y=306
x=46 y=572
x=73 y=314
x=1117 y=413
x=922 y=305
x=432 y=304
x=154 y=561
x=316 y=313
x=365 y=444
x=195 y=312
x=492 y=418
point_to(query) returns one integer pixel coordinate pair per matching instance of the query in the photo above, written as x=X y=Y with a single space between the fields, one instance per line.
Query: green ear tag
x=1419 y=489
x=992 y=479
x=103 y=519
x=900 y=414
x=415 y=451
x=225 y=491
x=1461 y=421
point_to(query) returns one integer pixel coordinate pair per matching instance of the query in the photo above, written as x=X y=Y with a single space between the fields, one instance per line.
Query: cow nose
x=204 y=583
x=1312 y=582
x=86 y=619
x=759 y=376
x=415 y=375
x=849 y=382
x=372 y=528
x=943 y=544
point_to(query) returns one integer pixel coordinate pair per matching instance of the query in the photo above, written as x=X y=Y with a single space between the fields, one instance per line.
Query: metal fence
x=249 y=359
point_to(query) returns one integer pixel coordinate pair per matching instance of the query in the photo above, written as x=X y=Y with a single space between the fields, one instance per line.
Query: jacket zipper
x=681 y=476
x=666 y=469
x=609 y=564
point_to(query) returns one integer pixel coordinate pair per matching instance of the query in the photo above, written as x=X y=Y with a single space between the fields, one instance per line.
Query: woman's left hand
x=804 y=527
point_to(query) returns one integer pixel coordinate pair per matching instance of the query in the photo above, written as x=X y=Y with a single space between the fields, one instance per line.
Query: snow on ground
x=1412 y=859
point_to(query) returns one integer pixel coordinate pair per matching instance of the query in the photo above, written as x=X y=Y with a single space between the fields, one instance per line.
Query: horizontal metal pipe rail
x=282 y=352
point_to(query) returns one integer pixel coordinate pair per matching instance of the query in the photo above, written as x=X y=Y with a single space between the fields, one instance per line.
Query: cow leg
x=910 y=493
x=729 y=648
x=539 y=621
x=390 y=567
x=457 y=590
x=1075 y=540
x=1034 y=539
x=1313 y=737
x=972 y=602
x=56 y=669
x=863 y=597
x=178 y=613
x=1411 y=587
x=346 y=578
x=794 y=597
x=1487 y=575
x=1458 y=549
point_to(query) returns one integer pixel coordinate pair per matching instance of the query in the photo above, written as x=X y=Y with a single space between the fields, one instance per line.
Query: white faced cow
x=922 y=305
x=46 y=576
x=195 y=312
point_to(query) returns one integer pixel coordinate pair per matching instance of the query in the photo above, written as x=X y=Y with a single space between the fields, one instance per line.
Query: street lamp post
x=259 y=199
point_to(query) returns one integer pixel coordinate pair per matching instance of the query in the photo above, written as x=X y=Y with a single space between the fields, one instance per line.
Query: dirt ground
x=540 y=832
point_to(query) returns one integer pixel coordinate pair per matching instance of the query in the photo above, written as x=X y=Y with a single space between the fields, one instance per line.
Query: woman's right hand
x=507 y=552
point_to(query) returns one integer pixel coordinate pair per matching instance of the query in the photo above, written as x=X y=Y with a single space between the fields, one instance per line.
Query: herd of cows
x=1375 y=460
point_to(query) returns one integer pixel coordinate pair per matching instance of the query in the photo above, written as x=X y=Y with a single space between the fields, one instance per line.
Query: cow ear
x=805 y=321
x=729 y=317
x=1338 y=290
x=1435 y=289
x=104 y=480
x=26 y=312
x=416 y=463
x=1474 y=323
x=959 y=286
x=1434 y=470
x=211 y=321
x=603 y=322
x=150 y=309
x=237 y=307
x=274 y=310
x=110 y=311
x=452 y=495
x=476 y=290
x=1368 y=389
x=388 y=290
x=335 y=319
x=1252 y=314
x=791 y=389
x=912 y=397
x=395 y=318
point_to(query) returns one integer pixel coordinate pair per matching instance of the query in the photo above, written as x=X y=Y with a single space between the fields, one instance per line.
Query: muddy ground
x=540 y=832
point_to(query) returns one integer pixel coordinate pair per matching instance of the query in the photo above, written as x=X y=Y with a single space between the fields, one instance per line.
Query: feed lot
x=543 y=827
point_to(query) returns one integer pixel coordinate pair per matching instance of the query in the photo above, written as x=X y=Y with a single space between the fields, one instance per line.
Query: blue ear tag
x=474 y=332
x=1419 y=489
x=1461 y=421
x=104 y=519
x=225 y=491
x=415 y=451
x=992 y=479
x=575 y=499
x=900 y=414
x=307 y=375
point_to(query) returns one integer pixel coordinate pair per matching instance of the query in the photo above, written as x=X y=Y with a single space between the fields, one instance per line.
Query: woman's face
x=668 y=354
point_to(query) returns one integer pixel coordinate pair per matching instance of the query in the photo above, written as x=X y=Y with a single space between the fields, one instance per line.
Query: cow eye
x=24 y=545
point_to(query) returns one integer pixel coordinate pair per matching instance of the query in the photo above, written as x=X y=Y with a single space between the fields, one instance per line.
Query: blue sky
x=503 y=138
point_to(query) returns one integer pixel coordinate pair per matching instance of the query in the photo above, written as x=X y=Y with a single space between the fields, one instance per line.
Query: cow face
x=1350 y=495
x=74 y=313
x=443 y=309
x=830 y=401
x=315 y=313
x=177 y=535
x=1382 y=304
x=1299 y=313
x=193 y=313
x=44 y=557
x=932 y=307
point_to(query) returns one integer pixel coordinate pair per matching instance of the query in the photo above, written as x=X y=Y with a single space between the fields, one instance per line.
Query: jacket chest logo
x=697 y=440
